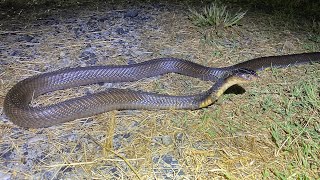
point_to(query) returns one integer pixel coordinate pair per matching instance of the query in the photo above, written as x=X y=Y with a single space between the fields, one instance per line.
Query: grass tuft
x=215 y=15
x=315 y=35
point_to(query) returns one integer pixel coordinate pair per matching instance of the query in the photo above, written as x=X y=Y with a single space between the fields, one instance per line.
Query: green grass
x=286 y=107
x=315 y=35
x=215 y=15
x=295 y=131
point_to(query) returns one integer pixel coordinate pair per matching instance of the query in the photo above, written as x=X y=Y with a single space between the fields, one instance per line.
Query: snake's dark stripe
x=17 y=100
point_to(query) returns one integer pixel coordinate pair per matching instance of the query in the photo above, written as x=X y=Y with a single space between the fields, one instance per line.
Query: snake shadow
x=235 y=89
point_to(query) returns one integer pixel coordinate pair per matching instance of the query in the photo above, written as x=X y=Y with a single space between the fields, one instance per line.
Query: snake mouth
x=238 y=76
x=245 y=74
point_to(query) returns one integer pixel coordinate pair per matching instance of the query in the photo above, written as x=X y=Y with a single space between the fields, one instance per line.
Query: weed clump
x=215 y=15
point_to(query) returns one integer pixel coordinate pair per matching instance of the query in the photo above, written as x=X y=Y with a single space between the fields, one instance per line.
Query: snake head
x=244 y=73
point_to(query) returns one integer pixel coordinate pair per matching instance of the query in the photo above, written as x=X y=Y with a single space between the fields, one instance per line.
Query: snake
x=18 y=99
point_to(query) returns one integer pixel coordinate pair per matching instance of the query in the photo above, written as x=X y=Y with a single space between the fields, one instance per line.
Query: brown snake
x=17 y=101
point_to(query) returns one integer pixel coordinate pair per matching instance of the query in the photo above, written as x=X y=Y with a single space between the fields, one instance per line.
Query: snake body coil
x=17 y=101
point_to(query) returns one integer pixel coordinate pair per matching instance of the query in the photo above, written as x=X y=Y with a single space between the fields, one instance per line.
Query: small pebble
x=179 y=137
x=16 y=53
x=126 y=135
x=166 y=140
x=36 y=139
x=121 y=31
x=6 y=155
x=102 y=19
x=88 y=55
x=131 y=13
x=26 y=38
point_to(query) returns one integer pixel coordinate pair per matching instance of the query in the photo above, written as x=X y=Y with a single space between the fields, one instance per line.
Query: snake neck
x=262 y=63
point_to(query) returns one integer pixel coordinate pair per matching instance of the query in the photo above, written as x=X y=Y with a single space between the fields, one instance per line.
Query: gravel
x=85 y=38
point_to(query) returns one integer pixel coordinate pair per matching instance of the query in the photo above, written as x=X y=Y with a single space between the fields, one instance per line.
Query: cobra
x=17 y=101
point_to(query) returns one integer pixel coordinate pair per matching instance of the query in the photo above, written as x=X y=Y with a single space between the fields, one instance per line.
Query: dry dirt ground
x=243 y=136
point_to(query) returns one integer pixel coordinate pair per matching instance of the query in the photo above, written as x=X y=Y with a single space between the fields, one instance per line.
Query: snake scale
x=17 y=101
